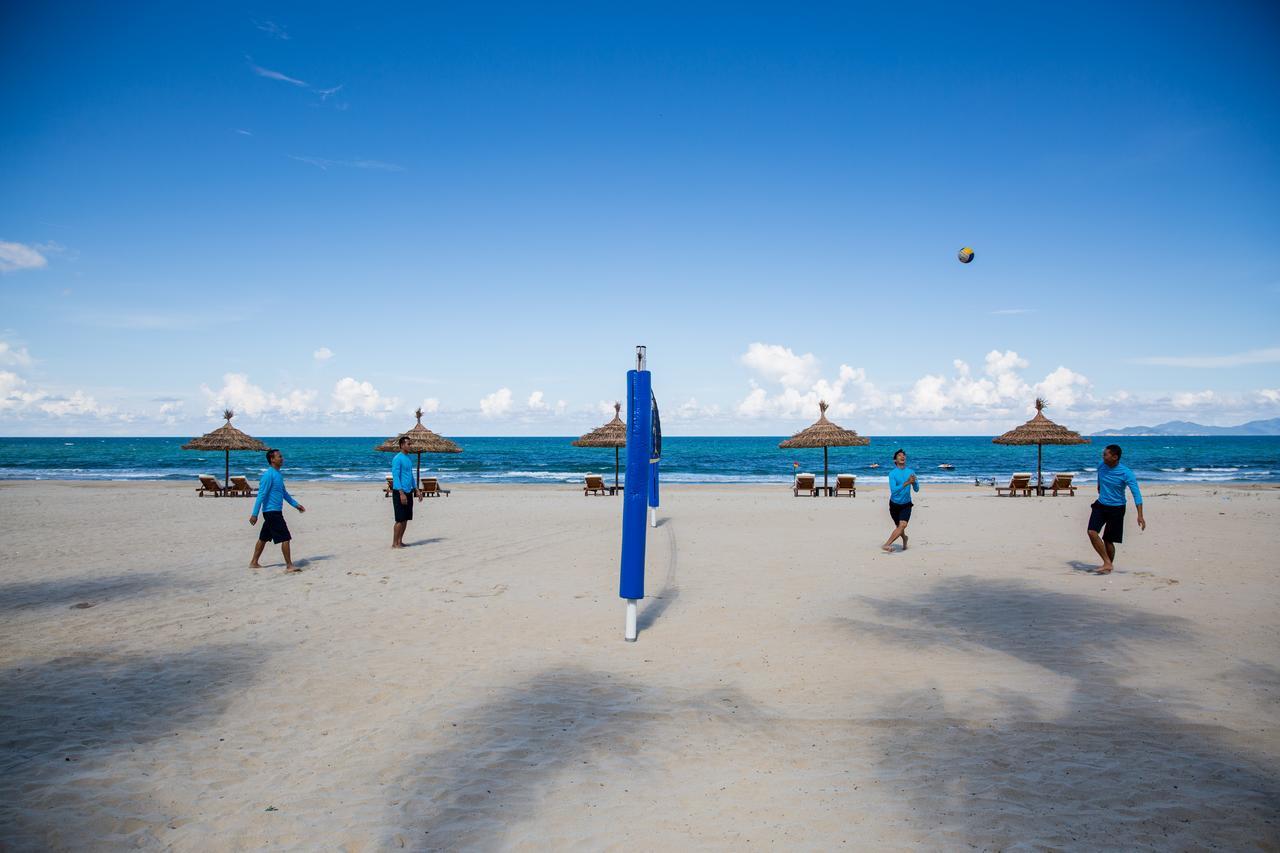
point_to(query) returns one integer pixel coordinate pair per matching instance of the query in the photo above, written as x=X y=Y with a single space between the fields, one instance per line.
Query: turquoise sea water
x=685 y=459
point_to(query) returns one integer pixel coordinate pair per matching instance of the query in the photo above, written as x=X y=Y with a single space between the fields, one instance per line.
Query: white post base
x=630 y=634
x=653 y=516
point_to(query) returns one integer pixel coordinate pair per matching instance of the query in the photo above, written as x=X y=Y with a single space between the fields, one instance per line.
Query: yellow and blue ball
x=965 y=255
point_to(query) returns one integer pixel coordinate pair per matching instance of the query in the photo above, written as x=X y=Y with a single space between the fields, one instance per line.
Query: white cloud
x=1271 y=355
x=350 y=396
x=779 y=364
x=78 y=404
x=691 y=409
x=17 y=256
x=276 y=75
x=1064 y=387
x=430 y=405
x=9 y=354
x=238 y=393
x=17 y=398
x=537 y=403
x=324 y=164
x=323 y=354
x=1193 y=399
x=1269 y=395
x=271 y=28
x=496 y=404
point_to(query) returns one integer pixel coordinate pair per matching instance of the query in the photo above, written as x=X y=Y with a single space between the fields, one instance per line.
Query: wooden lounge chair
x=1061 y=483
x=431 y=488
x=594 y=485
x=240 y=487
x=211 y=485
x=846 y=483
x=804 y=483
x=390 y=487
x=1017 y=483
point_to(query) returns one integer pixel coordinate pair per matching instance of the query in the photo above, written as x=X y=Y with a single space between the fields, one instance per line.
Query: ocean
x=1250 y=459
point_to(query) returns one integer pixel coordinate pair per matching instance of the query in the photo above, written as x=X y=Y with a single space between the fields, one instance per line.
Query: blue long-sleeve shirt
x=1111 y=483
x=272 y=494
x=899 y=489
x=402 y=472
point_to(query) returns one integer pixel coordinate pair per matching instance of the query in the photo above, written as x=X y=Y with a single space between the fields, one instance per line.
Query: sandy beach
x=792 y=686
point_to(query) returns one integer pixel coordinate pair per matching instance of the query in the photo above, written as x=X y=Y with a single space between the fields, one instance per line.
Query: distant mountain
x=1270 y=426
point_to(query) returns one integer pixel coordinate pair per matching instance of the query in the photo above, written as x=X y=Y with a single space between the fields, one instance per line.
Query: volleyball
x=965 y=255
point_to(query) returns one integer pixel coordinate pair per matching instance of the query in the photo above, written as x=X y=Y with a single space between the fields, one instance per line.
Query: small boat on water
x=947 y=466
x=874 y=465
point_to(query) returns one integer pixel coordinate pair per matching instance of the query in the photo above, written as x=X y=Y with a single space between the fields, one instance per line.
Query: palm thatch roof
x=225 y=437
x=612 y=434
x=421 y=440
x=1040 y=430
x=823 y=433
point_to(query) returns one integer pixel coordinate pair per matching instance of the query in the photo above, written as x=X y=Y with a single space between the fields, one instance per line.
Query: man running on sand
x=902 y=481
x=402 y=493
x=1106 y=521
x=272 y=494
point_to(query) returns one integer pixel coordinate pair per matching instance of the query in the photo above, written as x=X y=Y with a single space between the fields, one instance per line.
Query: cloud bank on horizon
x=327 y=232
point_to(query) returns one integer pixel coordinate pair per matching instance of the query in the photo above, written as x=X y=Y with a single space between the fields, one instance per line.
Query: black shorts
x=899 y=512
x=403 y=511
x=1107 y=520
x=273 y=528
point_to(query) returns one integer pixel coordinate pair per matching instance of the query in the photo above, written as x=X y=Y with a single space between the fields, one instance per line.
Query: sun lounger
x=240 y=487
x=804 y=483
x=390 y=487
x=1017 y=483
x=594 y=485
x=431 y=488
x=1062 y=483
x=846 y=483
x=211 y=485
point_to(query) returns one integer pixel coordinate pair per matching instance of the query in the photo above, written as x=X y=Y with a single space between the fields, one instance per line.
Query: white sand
x=792 y=686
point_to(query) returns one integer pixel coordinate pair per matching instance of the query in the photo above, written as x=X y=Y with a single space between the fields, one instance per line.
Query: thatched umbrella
x=225 y=438
x=1040 y=431
x=613 y=434
x=825 y=434
x=421 y=440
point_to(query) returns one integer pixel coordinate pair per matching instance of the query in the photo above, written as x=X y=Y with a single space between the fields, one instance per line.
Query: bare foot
x=1103 y=570
x=254 y=566
x=888 y=549
x=904 y=541
x=290 y=570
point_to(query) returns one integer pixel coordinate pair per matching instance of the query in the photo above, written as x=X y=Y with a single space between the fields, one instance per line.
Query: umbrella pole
x=419 y=481
x=616 y=454
x=1039 y=465
x=824 y=470
x=226 y=469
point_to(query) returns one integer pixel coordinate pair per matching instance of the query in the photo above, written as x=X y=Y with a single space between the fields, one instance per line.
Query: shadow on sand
x=68 y=592
x=1118 y=769
x=67 y=719
x=669 y=592
x=554 y=735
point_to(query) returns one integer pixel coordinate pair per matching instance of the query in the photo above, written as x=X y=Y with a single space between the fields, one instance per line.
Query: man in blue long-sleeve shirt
x=272 y=496
x=902 y=482
x=1106 y=521
x=402 y=486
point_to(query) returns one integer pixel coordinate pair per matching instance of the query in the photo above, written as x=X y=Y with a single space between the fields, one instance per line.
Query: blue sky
x=326 y=218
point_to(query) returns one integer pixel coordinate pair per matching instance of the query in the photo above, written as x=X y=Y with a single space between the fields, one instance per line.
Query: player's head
x=900 y=457
x=403 y=442
x=275 y=458
x=1111 y=454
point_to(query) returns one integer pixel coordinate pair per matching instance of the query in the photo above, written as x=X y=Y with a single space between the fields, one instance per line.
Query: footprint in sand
x=498 y=589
